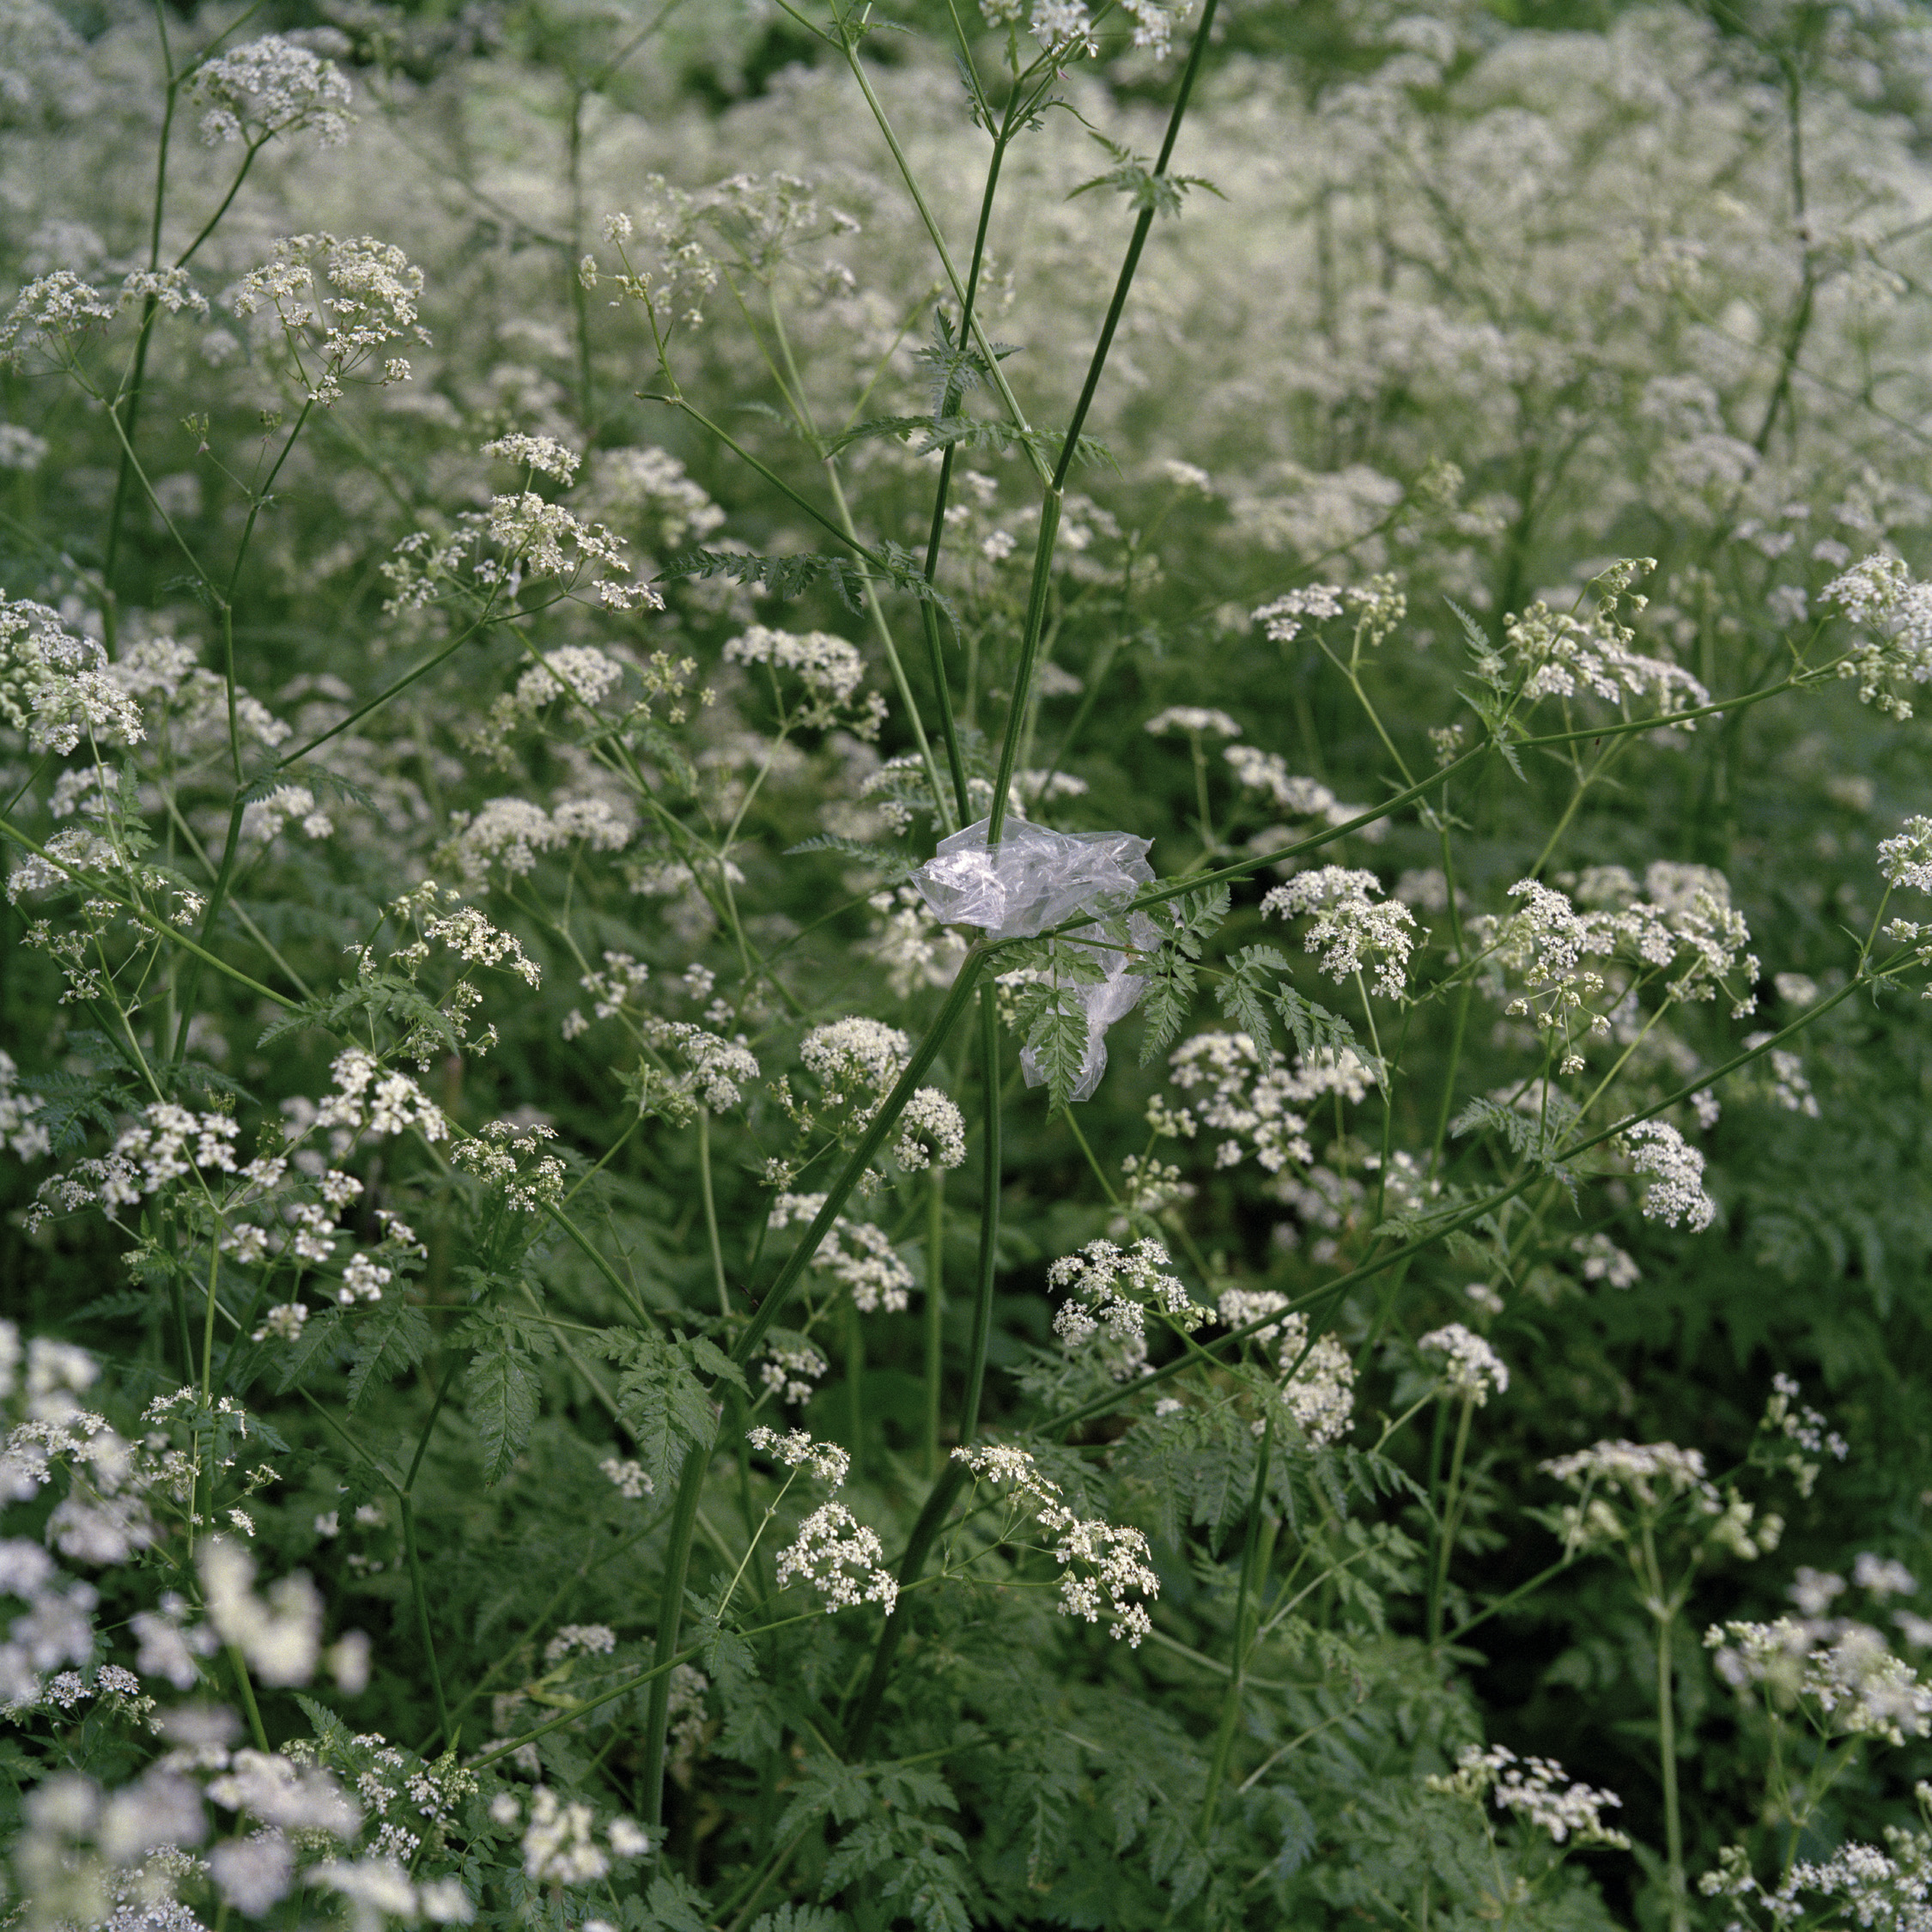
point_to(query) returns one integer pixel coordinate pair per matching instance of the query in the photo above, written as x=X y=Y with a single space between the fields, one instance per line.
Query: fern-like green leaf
x=500 y=1393
x=391 y=1338
x=664 y=1406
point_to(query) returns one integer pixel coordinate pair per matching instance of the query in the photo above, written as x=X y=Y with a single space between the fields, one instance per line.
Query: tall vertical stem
x=1246 y=1602
x=989 y=1210
x=711 y=1211
x=1050 y=502
x=1446 y=1523
x=1664 y=1611
x=939 y=1498
x=422 y=1598
x=855 y=1385
x=671 y=1611
x=935 y=1312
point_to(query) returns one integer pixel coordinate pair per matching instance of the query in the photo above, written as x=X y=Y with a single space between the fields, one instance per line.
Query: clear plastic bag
x=1035 y=878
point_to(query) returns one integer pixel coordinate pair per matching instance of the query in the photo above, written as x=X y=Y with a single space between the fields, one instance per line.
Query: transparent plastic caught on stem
x=1034 y=878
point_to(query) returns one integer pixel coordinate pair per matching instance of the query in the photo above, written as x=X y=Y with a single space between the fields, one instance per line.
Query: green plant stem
x=855 y=1385
x=848 y=46
x=1246 y=1610
x=991 y=1175
x=935 y=536
x=745 y=1903
x=1666 y=1765
x=245 y=1683
x=935 y=1313
x=939 y=1498
x=690 y=1479
x=1446 y=1520
x=711 y=1211
x=208 y=1321
x=1051 y=501
x=423 y=1614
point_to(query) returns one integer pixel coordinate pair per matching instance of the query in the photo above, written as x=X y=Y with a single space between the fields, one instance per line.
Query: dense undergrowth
x=959 y=973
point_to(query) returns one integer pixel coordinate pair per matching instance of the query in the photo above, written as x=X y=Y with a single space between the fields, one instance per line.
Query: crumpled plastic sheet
x=1035 y=878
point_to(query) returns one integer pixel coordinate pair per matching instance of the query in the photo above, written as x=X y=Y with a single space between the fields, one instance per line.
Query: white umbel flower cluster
x=1903 y=860
x=1066 y=27
x=797 y=1451
x=1267 y=774
x=369 y=1101
x=510 y=1160
x=837 y=1555
x=509 y=833
x=1470 y=1367
x=1282 y=620
x=1253 y=1097
x=858 y=1062
x=57 y=688
x=1111 y=1288
x=1318 y=1390
x=718 y=1068
x=339 y=304
x=1842 y=1668
x=1869 y=1887
x=857 y=1253
x=270 y=87
x=1098 y=1560
x=543 y=453
x=1537 y=1789
x=1648 y=1477
x=1347 y=927
x=1194 y=718
x=1676 y=1190
x=1894 y=647
x=830 y=670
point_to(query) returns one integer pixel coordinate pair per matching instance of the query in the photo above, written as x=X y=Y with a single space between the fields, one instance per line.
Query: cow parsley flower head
x=281 y=1635
x=369 y=1100
x=57 y=688
x=558 y=1847
x=1194 y=718
x=830 y=668
x=718 y=1069
x=1676 y=1190
x=1319 y=1389
x=1893 y=646
x=1906 y=860
x=545 y=453
x=1347 y=927
x=836 y=1554
x=270 y=87
x=1647 y=1478
x=49 y=310
x=1283 y=619
x=1842 y=1669
x=932 y=1132
x=827 y=1463
x=340 y=303
x=1882 y=1576
x=790 y=1369
x=1098 y=1560
x=1252 y=1096
x=857 y=1059
x=856 y=1253
x=1536 y=1791
x=1470 y=1367
x=628 y=1476
x=1110 y=1288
